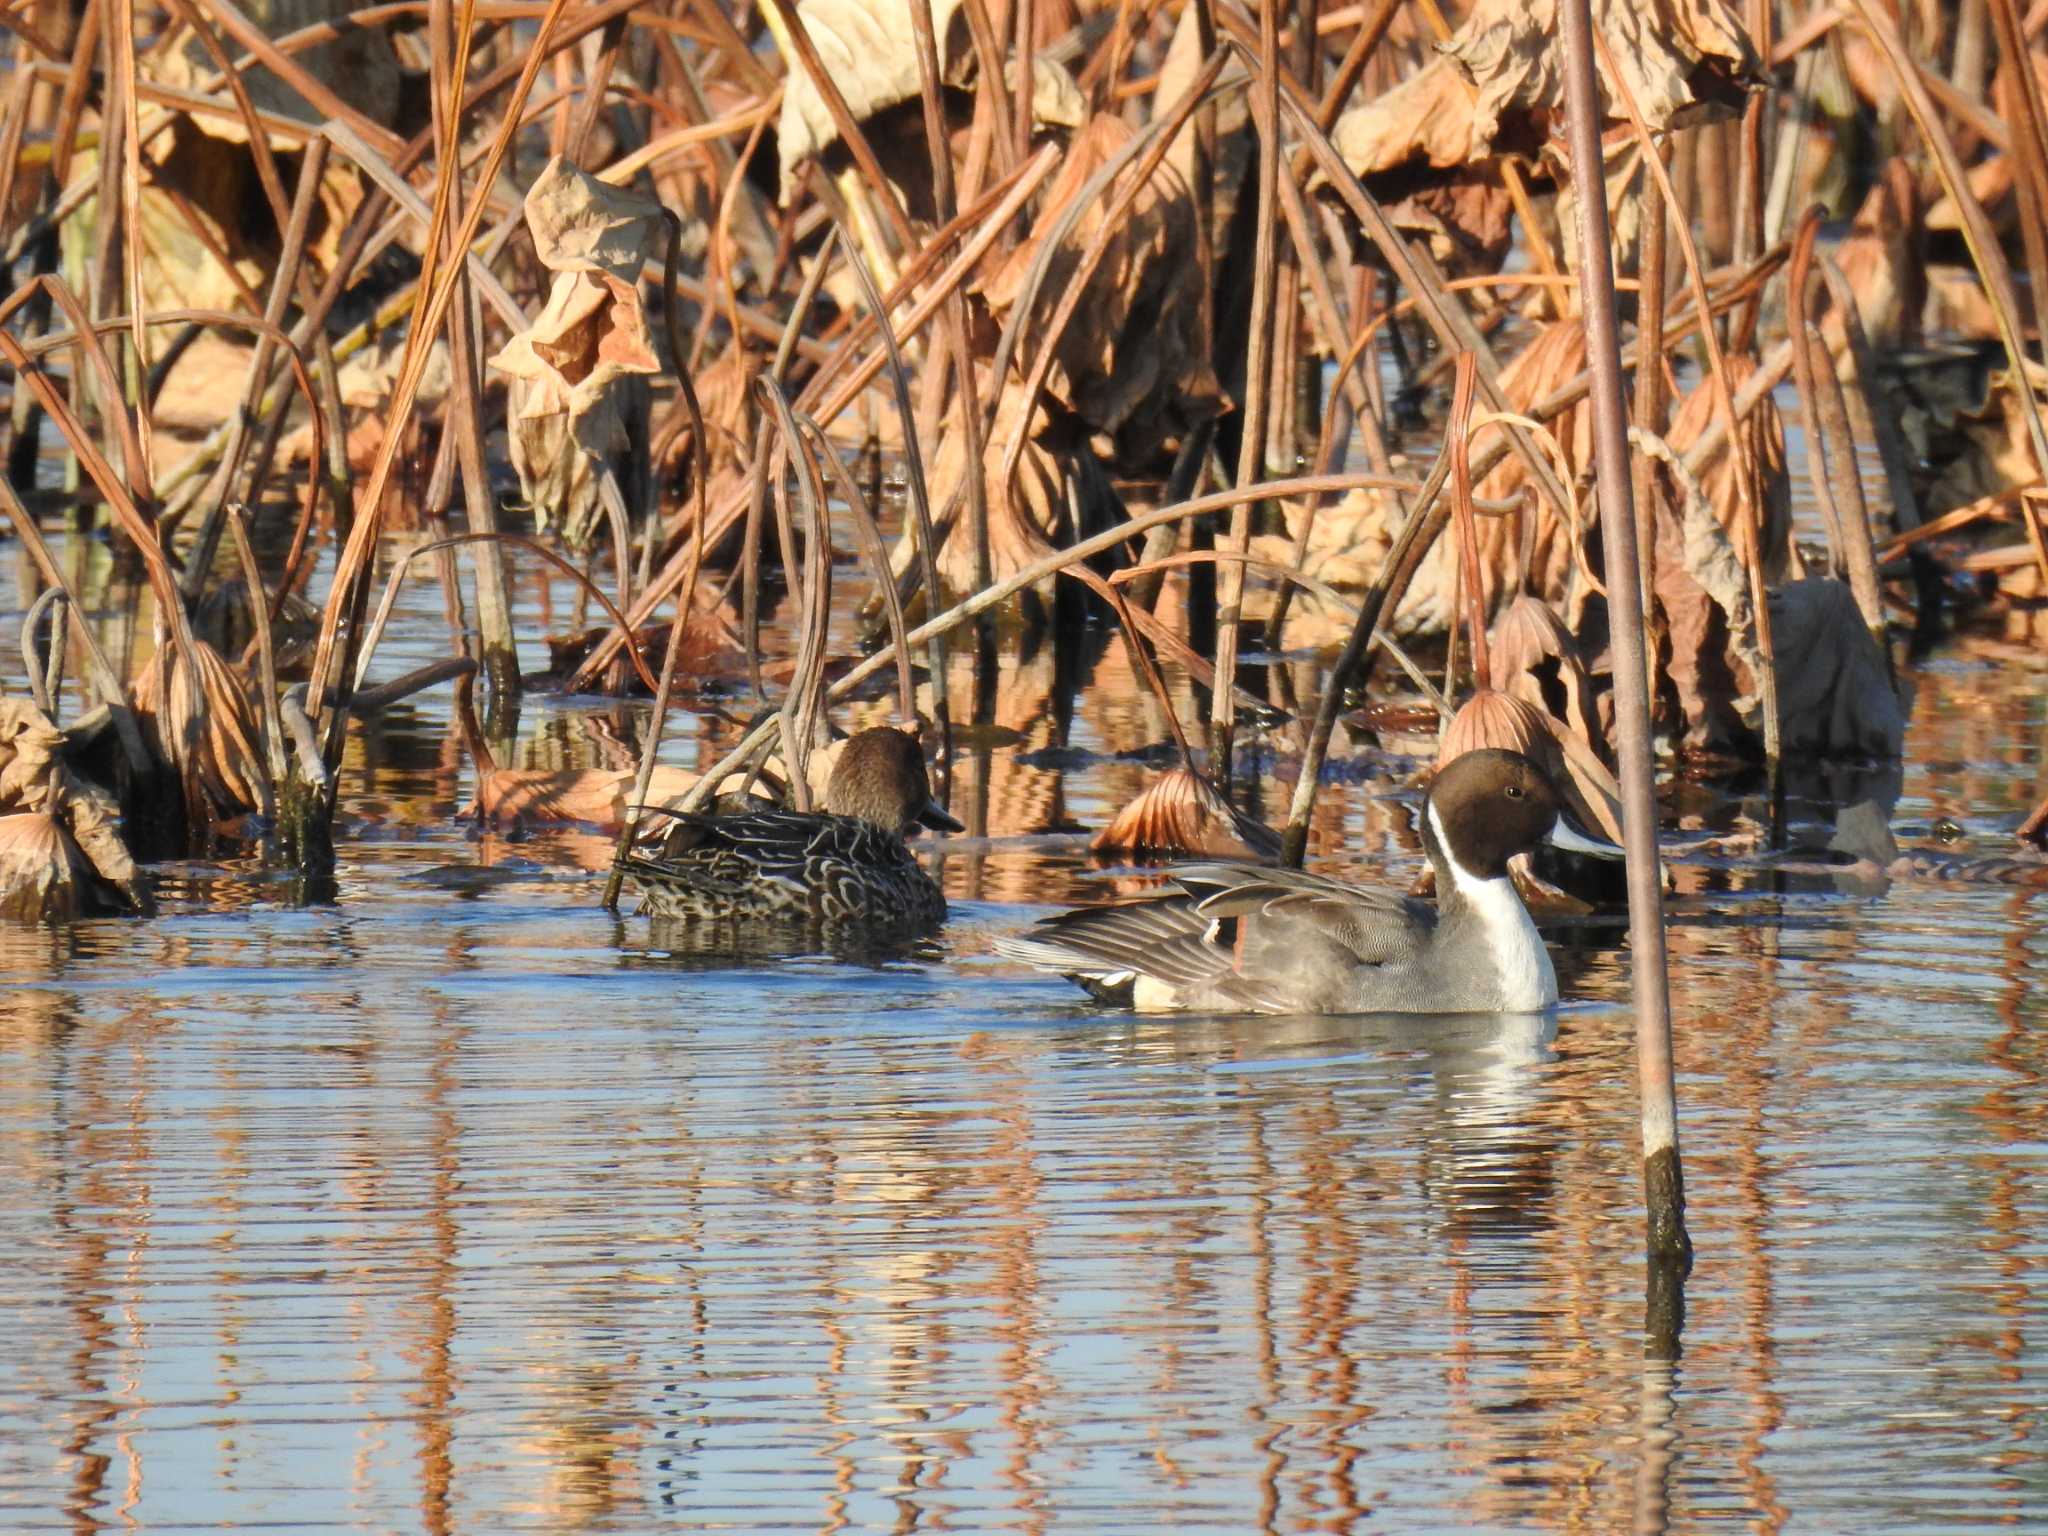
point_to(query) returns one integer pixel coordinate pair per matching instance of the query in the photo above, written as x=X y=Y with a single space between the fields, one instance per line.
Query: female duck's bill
x=1235 y=938
x=843 y=867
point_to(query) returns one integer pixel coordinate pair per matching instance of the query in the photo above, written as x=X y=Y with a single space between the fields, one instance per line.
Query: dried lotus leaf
x=869 y=47
x=28 y=756
x=568 y=368
x=212 y=735
x=1536 y=659
x=1491 y=718
x=1135 y=360
x=1182 y=814
x=1499 y=81
x=42 y=873
x=1684 y=61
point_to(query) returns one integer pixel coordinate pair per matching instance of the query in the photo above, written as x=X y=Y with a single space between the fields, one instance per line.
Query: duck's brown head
x=880 y=778
x=1487 y=806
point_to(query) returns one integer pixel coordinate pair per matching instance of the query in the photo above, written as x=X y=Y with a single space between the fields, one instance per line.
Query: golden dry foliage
x=1763 y=437
x=1027 y=517
x=568 y=365
x=42 y=874
x=1135 y=361
x=869 y=47
x=1500 y=80
x=211 y=737
x=1536 y=659
x=1181 y=814
x=1684 y=61
x=61 y=850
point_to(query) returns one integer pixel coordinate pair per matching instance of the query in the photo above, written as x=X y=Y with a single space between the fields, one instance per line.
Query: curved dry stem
x=375 y=633
x=877 y=553
x=913 y=462
x=1002 y=591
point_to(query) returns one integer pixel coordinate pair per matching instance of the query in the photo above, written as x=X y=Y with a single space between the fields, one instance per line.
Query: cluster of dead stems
x=1120 y=292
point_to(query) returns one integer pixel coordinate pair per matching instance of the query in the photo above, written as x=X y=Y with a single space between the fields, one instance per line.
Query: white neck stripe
x=1528 y=980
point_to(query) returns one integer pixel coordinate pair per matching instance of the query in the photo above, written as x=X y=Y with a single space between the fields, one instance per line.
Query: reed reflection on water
x=460 y=1206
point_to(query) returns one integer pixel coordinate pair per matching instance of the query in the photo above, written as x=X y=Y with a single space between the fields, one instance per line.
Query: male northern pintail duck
x=845 y=866
x=1238 y=937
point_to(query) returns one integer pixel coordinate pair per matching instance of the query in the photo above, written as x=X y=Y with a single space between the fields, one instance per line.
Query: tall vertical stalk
x=1669 y=1245
x=1258 y=382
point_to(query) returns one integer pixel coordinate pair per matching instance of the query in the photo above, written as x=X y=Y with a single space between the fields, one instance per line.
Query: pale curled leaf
x=568 y=366
x=581 y=224
x=870 y=49
x=28 y=756
x=1501 y=80
x=42 y=874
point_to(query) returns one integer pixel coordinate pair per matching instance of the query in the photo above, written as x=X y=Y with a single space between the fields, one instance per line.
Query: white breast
x=1528 y=980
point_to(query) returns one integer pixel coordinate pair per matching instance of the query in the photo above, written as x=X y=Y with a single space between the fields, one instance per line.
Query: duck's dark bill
x=1563 y=834
x=934 y=816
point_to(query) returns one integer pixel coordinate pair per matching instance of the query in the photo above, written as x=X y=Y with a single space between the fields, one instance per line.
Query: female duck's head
x=880 y=778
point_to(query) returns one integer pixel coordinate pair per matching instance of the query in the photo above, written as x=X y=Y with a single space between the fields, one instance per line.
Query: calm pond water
x=461 y=1206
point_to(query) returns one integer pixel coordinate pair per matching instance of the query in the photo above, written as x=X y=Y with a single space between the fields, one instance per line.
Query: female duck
x=845 y=866
x=1232 y=937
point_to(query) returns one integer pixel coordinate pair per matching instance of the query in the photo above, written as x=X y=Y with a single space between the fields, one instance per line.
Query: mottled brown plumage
x=843 y=867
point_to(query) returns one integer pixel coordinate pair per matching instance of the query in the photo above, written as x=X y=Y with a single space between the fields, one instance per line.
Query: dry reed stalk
x=349 y=591
x=1007 y=587
x=914 y=477
x=1458 y=435
x=750 y=558
x=876 y=552
x=295 y=219
x=954 y=315
x=1650 y=401
x=1978 y=234
x=464 y=418
x=650 y=747
x=988 y=225
x=1884 y=420
x=266 y=673
x=1830 y=444
x=1746 y=488
x=1258 y=376
x=802 y=706
x=2018 y=90
x=1668 y=1244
